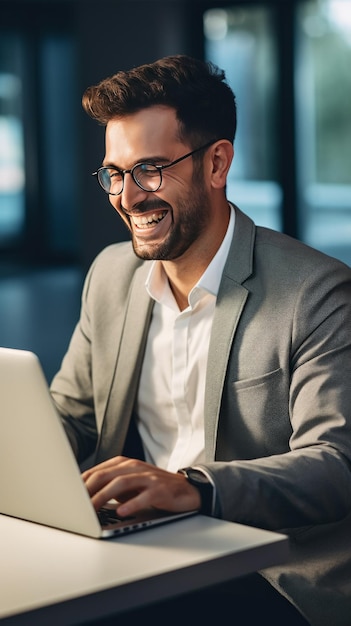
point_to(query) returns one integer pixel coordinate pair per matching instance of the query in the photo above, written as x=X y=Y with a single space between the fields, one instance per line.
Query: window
x=241 y=41
x=39 y=191
x=58 y=177
x=323 y=106
x=12 y=176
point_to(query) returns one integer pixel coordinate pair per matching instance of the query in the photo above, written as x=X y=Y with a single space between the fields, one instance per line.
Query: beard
x=193 y=216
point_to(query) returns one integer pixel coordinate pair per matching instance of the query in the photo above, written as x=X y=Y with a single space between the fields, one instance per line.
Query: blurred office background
x=289 y=63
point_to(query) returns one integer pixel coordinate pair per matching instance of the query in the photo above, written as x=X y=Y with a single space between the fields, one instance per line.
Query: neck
x=182 y=278
x=184 y=272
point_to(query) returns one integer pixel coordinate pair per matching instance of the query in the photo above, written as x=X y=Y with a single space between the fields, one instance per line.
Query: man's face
x=170 y=221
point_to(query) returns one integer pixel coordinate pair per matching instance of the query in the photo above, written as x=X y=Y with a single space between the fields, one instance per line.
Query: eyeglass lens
x=146 y=175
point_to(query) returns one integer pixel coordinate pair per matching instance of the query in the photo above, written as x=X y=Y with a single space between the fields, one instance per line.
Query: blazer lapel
x=128 y=363
x=231 y=299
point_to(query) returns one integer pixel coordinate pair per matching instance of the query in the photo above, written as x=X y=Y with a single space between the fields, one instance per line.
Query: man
x=211 y=344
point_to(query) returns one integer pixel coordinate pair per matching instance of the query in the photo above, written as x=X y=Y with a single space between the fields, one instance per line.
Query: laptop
x=40 y=479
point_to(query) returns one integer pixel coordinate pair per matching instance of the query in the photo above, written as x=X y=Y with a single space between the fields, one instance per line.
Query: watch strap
x=201 y=481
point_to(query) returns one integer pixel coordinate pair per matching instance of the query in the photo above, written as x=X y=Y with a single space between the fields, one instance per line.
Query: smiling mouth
x=147 y=221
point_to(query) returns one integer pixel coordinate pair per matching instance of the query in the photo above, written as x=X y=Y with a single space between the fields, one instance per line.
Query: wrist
x=201 y=482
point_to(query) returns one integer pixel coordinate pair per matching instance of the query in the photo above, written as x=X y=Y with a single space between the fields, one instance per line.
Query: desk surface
x=51 y=576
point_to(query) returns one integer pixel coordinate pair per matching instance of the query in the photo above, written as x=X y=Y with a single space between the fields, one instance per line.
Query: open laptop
x=40 y=479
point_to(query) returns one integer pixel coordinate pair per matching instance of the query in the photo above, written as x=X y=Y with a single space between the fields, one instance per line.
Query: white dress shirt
x=170 y=402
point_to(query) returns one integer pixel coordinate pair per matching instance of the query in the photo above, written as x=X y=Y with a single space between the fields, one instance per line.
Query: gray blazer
x=277 y=405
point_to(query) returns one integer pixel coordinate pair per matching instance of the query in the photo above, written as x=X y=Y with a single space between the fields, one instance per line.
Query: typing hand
x=138 y=485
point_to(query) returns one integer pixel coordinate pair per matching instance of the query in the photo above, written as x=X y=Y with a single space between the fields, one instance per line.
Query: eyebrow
x=150 y=159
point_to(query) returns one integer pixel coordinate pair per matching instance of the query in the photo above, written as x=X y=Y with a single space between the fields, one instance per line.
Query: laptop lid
x=40 y=479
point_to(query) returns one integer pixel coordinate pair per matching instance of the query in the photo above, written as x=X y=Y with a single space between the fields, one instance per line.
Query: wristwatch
x=198 y=479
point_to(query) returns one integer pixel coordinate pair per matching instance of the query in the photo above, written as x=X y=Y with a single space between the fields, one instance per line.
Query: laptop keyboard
x=109 y=516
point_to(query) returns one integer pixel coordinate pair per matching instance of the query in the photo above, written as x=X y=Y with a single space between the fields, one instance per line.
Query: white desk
x=53 y=577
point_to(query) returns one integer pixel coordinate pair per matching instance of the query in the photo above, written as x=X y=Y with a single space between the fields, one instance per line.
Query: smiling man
x=210 y=368
x=187 y=215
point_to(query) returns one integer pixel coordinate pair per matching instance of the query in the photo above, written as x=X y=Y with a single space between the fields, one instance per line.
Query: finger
x=114 y=461
x=101 y=474
x=123 y=488
x=121 y=464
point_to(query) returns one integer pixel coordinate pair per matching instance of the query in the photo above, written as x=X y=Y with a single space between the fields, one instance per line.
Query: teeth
x=143 y=221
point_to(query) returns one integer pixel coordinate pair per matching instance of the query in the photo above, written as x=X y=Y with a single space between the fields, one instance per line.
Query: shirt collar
x=157 y=284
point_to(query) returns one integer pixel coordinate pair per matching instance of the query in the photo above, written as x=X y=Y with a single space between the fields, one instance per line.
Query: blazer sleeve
x=305 y=480
x=72 y=389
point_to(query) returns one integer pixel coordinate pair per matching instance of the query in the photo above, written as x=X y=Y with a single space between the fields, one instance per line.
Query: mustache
x=146 y=206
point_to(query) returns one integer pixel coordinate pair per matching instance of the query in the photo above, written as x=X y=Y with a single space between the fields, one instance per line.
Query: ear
x=222 y=153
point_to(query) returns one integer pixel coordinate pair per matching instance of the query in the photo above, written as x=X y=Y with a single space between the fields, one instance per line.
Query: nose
x=132 y=194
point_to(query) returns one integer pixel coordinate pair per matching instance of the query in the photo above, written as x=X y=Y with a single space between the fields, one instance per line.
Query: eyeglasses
x=147 y=176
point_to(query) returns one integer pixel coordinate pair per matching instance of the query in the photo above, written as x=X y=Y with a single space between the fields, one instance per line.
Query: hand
x=138 y=485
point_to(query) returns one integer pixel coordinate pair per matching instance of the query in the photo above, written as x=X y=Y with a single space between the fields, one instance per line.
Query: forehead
x=149 y=132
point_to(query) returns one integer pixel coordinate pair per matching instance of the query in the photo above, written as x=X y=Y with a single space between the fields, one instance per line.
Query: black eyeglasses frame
x=160 y=169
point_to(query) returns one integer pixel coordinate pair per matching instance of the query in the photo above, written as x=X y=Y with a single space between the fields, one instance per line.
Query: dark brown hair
x=203 y=101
